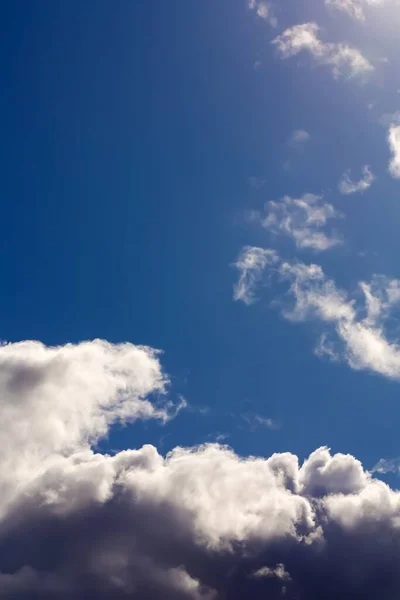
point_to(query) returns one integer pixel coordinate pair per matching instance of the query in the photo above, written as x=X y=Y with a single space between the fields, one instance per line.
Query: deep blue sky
x=129 y=132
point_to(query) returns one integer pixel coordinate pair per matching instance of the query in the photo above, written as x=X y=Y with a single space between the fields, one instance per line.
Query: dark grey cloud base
x=138 y=545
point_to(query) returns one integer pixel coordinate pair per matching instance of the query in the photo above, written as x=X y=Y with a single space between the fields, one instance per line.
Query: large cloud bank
x=200 y=523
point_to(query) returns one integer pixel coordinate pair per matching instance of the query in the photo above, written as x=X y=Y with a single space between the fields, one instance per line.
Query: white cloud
x=58 y=400
x=363 y=341
x=264 y=10
x=387 y=465
x=299 y=136
x=388 y=119
x=201 y=523
x=221 y=437
x=361 y=337
x=345 y=60
x=347 y=186
x=354 y=8
x=251 y=263
x=279 y=571
x=314 y=295
x=394 y=144
x=302 y=219
x=254 y=421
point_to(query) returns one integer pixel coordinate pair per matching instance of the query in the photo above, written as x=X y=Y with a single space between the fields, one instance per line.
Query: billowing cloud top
x=199 y=524
x=251 y=264
x=60 y=400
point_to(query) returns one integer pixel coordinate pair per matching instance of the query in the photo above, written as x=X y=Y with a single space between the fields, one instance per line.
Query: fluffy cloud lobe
x=344 y=60
x=394 y=145
x=251 y=264
x=59 y=400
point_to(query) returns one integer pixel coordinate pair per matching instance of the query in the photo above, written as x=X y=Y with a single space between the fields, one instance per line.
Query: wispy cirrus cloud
x=299 y=137
x=251 y=264
x=358 y=328
x=354 y=8
x=387 y=465
x=344 y=60
x=256 y=182
x=304 y=220
x=348 y=186
x=255 y=420
x=264 y=10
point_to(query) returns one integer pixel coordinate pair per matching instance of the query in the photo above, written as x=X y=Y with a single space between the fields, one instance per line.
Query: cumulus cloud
x=198 y=524
x=348 y=186
x=344 y=60
x=264 y=10
x=58 y=400
x=394 y=145
x=251 y=264
x=354 y=8
x=303 y=219
x=360 y=334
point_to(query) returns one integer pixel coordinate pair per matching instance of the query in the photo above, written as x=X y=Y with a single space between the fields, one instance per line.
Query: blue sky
x=131 y=132
x=200 y=357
